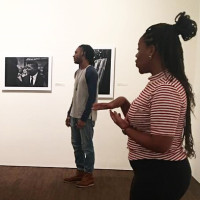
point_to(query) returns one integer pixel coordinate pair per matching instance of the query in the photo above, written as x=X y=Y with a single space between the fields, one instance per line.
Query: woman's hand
x=116 y=117
x=120 y=102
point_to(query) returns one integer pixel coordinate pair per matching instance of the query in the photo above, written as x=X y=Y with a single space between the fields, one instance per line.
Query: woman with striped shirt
x=157 y=122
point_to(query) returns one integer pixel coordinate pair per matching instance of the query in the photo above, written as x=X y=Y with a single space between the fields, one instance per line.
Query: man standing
x=81 y=118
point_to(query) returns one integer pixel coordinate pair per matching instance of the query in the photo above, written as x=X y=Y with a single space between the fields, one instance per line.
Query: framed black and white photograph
x=104 y=64
x=27 y=73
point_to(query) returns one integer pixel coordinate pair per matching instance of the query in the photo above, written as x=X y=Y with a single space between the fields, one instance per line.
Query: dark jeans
x=159 y=179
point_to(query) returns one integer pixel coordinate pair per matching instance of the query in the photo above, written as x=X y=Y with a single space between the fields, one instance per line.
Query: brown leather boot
x=86 y=181
x=77 y=177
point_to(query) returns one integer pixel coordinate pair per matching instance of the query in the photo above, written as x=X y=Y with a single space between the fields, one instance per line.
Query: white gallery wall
x=33 y=131
x=196 y=117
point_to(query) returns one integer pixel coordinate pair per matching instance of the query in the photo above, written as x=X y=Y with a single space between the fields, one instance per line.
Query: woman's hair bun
x=184 y=26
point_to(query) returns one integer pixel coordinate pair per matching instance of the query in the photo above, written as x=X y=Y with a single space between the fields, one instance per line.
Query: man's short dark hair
x=32 y=62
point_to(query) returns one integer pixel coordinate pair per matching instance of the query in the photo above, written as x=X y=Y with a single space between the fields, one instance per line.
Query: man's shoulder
x=39 y=76
x=91 y=70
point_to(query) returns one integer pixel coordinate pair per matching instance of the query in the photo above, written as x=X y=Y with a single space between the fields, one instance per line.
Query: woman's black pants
x=159 y=179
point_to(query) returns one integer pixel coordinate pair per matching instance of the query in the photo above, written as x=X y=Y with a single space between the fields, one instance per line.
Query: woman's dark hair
x=88 y=52
x=165 y=38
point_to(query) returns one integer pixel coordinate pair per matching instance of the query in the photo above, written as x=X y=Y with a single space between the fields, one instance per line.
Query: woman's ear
x=152 y=50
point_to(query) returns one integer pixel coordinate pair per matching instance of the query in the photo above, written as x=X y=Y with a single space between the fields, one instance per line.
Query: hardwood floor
x=35 y=183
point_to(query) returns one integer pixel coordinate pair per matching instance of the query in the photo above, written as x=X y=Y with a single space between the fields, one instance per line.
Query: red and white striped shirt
x=160 y=110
